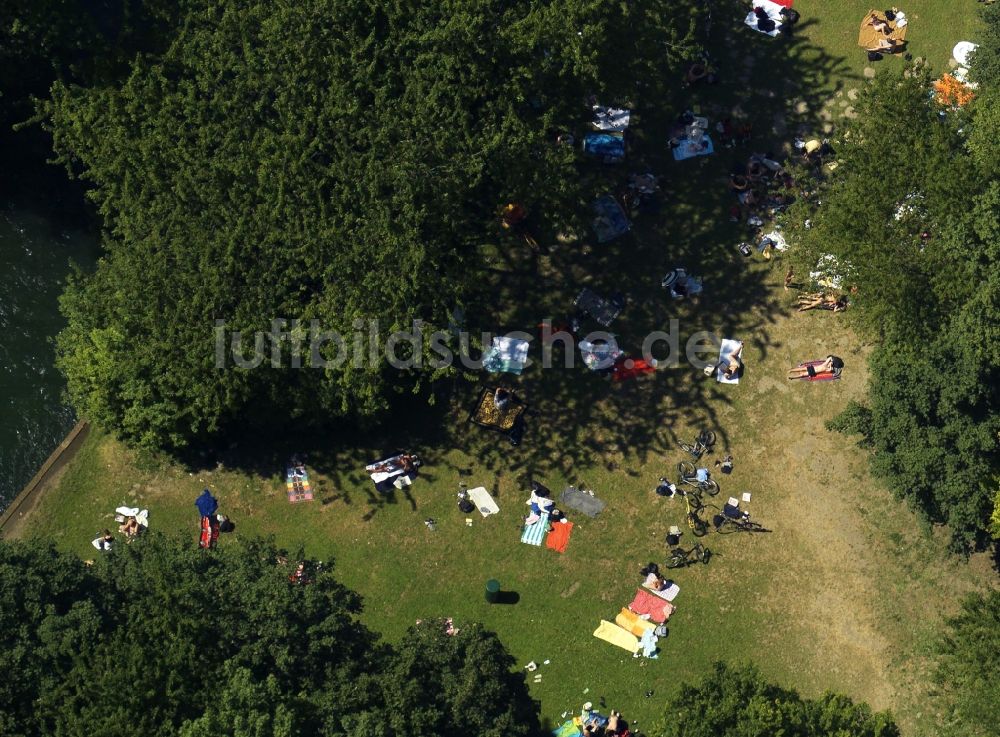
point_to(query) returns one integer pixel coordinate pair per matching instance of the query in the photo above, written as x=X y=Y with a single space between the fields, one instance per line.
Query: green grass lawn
x=846 y=592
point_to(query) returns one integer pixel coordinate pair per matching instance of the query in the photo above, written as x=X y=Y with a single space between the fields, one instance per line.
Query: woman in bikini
x=831 y=365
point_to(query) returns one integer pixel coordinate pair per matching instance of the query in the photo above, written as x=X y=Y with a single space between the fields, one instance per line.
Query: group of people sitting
x=760 y=188
x=767 y=24
x=540 y=503
x=595 y=724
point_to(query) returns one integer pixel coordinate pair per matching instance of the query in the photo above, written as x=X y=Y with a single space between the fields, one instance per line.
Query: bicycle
x=724 y=524
x=702 y=444
x=689 y=475
x=699 y=528
x=680 y=558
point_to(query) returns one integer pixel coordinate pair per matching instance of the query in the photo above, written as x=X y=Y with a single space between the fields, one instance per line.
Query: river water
x=35 y=255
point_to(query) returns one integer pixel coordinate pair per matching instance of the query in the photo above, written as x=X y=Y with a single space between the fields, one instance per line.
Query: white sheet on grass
x=506 y=354
x=728 y=346
x=483 y=501
x=773 y=12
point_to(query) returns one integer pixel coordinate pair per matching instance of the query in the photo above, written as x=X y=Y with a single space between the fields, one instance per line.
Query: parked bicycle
x=692 y=502
x=702 y=444
x=679 y=557
x=733 y=520
x=689 y=475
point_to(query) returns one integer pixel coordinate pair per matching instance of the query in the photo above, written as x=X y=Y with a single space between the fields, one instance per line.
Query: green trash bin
x=492 y=591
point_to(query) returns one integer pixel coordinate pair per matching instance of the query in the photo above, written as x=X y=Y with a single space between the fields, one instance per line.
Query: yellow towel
x=631 y=622
x=610 y=632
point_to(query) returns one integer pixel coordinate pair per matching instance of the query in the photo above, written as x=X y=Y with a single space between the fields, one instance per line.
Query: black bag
x=874 y=56
x=791 y=16
x=465 y=506
x=889 y=15
x=745 y=249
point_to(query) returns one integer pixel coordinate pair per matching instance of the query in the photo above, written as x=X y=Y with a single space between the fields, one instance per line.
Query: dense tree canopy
x=738 y=702
x=161 y=639
x=911 y=218
x=338 y=161
x=969 y=669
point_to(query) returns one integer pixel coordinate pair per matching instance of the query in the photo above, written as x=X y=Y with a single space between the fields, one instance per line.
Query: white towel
x=483 y=501
x=728 y=346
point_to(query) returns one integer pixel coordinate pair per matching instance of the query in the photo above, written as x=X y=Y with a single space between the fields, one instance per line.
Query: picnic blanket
x=601 y=309
x=868 y=36
x=581 y=501
x=298 y=487
x=611 y=632
x=558 y=537
x=819 y=377
x=483 y=501
x=630 y=368
x=487 y=414
x=611 y=221
x=209 y=535
x=689 y=149
x=645 y=602
x=610 y=118
x=506 y=354
x=609 y=147
x=773 y=12
x=727 y=347
x=669 y=593
x=141 y=515
x=632 y=622
x=568 y=729
x=534 y=533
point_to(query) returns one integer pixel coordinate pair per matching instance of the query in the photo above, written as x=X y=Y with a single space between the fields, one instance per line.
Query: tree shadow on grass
x=579 y=421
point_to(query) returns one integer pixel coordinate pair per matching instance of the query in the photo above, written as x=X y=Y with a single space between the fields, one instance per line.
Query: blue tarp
x=206 y=503
x=610 y=221
x=608 y=146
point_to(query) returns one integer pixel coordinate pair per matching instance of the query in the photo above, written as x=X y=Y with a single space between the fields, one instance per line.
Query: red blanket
x=631 y=368
x=646 y=602
x=558 y=537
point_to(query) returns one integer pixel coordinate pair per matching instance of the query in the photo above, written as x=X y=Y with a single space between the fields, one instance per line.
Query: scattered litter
x=532 y=666
x=546 y=662
x=746 y=496
x=563 y=716
x=586 y=690
x=733 y=502
x=468 y=522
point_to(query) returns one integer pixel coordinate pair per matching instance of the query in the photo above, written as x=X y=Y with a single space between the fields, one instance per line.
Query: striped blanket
x=534 y=533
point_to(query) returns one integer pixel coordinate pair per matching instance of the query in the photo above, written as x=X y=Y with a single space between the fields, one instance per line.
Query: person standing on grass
x=207 y=506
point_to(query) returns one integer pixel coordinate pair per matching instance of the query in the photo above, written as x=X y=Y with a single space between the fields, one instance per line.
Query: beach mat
x=299 y=489
x=688 y=150
x=646 y=602
x=534 y=533
x=632 y=622
x=581 y=502
x=488 y=415
x=558 y=537
x=611 y=632
x=483 y=501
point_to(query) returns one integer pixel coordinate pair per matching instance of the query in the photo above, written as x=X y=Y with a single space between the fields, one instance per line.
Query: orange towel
x=558 y=537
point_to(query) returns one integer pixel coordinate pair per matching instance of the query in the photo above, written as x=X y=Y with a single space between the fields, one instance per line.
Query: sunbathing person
x=822 y=301
x=130 y=527
x=831 y=365
x=732 y=365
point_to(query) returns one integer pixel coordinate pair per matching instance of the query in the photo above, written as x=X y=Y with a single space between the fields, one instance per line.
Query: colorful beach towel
x=611 y=632
x=209 y=532
x=483 y=501
x=558 y=537
x=298 y=487
x=645 y=602
x=534 y=533
x=568 y=729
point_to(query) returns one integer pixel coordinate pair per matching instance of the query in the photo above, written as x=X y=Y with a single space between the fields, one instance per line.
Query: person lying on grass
x=831 y=365
x=823 y=301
